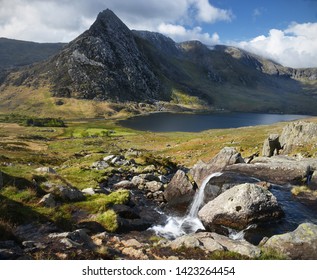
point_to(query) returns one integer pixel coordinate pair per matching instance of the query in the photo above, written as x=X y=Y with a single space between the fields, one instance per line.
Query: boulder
x=301 y=244
x=48 y=200
x=219 y=184
x=89 y=191
x=179 y=190
x=239 y=207
x=297 y=134
x=138 y=182
x=69 y=193
x=227 y=156
x=271 y=146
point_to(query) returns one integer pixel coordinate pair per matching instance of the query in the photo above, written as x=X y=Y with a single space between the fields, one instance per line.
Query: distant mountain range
x=109 y=62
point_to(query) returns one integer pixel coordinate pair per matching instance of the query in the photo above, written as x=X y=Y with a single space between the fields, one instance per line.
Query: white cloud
x=179 y=33
x=294 y=47
x=63 y=20
x=211 y=14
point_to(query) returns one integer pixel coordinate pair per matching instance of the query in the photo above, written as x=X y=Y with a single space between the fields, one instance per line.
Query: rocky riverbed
x=248 y=196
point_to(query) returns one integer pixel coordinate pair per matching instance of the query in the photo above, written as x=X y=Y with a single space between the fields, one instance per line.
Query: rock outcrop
x=211 y=242
x=298 y=134
x=299 y=244
x=226 y=157
x=239 y=207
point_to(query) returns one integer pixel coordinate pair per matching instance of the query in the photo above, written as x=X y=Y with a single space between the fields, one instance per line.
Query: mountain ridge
x=110 y=62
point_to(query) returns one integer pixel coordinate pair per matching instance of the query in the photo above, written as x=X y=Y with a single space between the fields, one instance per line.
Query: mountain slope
x=111 y=63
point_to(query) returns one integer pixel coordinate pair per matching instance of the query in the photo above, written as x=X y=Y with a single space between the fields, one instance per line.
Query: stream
x=296 y=212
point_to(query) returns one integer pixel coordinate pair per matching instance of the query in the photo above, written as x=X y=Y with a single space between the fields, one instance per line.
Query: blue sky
x=283 y=30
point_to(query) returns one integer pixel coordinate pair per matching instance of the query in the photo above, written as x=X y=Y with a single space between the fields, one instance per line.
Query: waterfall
x=177 y=226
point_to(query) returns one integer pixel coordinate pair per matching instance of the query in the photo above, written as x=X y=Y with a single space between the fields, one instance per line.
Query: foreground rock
x=239 y=207
x=180 y=190
x=299 y=244
x=227 y=156
x=211 y=242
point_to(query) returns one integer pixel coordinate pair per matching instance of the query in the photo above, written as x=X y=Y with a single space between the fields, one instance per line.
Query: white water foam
x=178 y=226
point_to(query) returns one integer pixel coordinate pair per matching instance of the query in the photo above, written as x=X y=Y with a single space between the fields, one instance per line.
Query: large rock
x=227 y=156
x=298 y=134
x=299 y=244
x=219 y=184
x=211 y=242
x=279 y=169
x=179 y=190
x=48 y=200
x=271 y=146
x=240 y=206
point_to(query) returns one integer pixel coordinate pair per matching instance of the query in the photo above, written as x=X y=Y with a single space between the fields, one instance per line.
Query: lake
x=168 y=122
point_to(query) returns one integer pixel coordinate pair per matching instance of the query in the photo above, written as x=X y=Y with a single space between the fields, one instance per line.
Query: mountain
x=111 y=63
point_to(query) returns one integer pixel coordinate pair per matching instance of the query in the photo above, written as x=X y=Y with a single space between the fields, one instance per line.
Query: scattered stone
x=239 y=207
x=48 y=200
x=154 y=186
x=108 y=158
x=132 y=243
x=70 y=193
x=138 y=181
x=100 y=165
x=125 y=184
x=89 y=191
x=135 y=254
x=301 y=244
x=45 y=170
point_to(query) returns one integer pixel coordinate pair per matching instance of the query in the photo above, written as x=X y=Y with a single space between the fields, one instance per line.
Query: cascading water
x=178 y=226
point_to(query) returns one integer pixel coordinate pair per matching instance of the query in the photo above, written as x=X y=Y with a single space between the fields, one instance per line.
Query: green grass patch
x=108 y=220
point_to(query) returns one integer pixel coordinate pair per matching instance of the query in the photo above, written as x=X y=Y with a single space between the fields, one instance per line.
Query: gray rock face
x=179 y=190
x=299 y=244
x=211 y=241
x=296 y=134
x=278 y=169
x=104 y=63
x=227 y=156
x=240 y=206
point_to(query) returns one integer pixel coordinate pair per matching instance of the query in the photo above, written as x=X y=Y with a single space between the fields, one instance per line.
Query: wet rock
x=163 y=179
x=240 y=206
x=301 y=244
x=125 y=211
x=34 y=231
x=48 y=200
x=227 y=156
x=179 y=190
